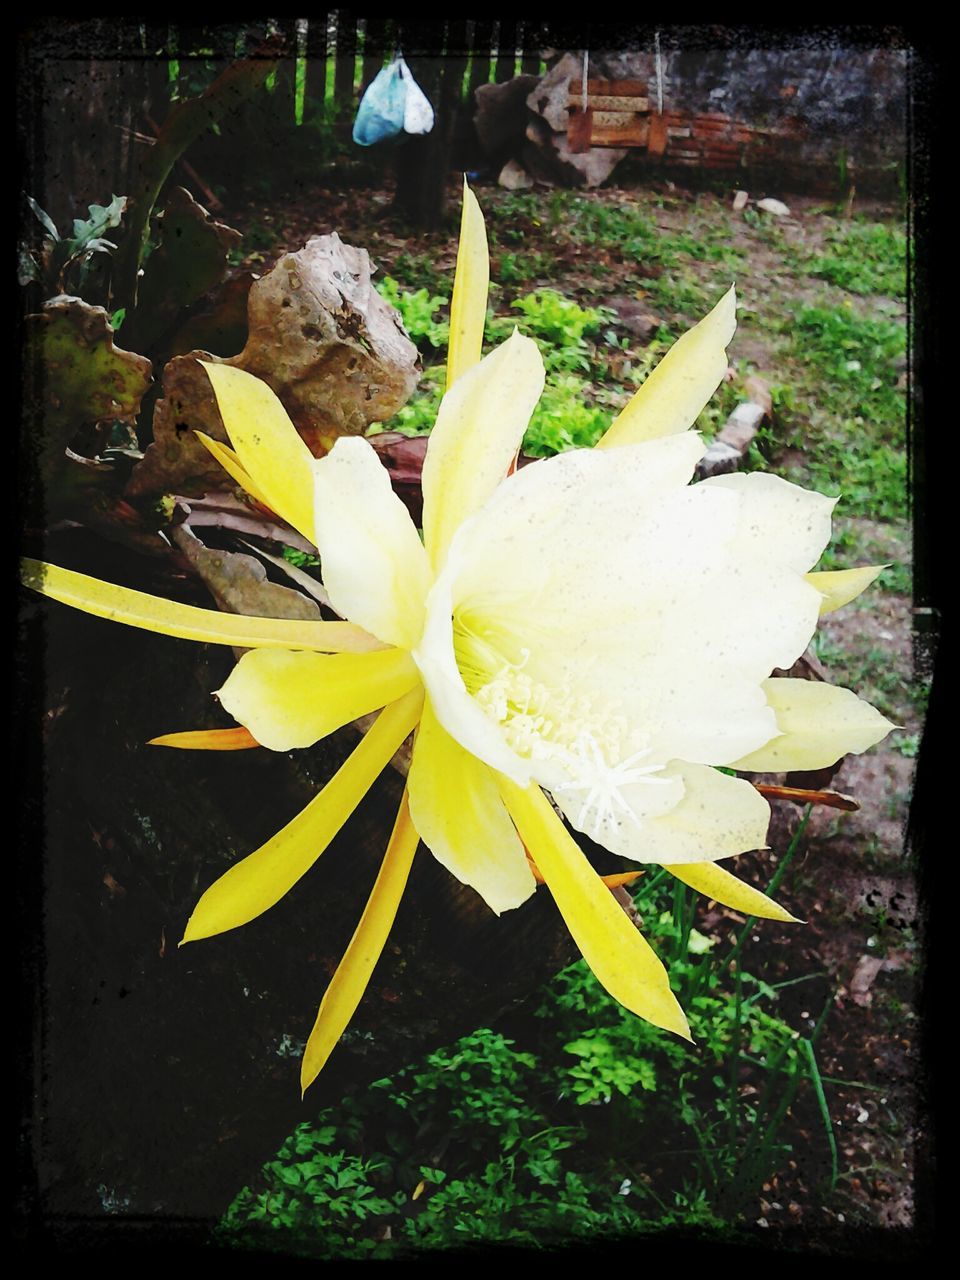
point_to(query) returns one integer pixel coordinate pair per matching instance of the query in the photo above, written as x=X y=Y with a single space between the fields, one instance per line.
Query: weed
x=419 y=313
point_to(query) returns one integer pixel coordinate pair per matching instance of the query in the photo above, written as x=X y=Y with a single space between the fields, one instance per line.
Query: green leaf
x=44 y=218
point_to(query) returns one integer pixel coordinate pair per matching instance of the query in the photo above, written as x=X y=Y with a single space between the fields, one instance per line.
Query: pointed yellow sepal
x=673 y=396
x=187 y=621
x=239 y=739
x=232 y=465
x=714 y=882
x=267 y=444
x=622 y=960
x=360 y=958
x=839 y=586
x=260 y=880
x=468 y=307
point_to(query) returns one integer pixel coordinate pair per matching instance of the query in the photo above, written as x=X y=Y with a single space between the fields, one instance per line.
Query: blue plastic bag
x=380 y=115
x=393 y=103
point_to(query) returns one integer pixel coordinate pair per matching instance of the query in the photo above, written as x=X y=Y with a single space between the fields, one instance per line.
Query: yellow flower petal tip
x=239 y=739
x=839 y=586
x=720 y=885
x=671 y=398
x=468 y=305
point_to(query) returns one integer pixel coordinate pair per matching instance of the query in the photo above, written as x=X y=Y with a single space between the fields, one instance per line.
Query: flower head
x=592 y=633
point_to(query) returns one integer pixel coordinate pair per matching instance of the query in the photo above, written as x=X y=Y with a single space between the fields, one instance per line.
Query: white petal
x=456 y=710
x=780 y=522
x=372 y=560
x=718 y=816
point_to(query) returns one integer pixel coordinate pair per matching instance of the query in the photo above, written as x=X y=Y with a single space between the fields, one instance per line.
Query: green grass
x=864 y=258
x=841 y=409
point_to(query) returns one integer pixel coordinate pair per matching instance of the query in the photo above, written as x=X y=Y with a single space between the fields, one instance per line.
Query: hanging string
x=656 y=45
x=586 y=60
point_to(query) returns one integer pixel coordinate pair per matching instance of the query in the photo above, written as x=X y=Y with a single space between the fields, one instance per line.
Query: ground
x=820 y=303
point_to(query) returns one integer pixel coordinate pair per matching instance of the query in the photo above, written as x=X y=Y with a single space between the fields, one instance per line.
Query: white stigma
x=583 y=738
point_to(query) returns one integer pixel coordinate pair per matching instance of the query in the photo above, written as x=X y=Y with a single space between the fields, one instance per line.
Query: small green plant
x=63 y=263
x=565 y=419
x=418 y=311
x=558 y=320
x=522 y=268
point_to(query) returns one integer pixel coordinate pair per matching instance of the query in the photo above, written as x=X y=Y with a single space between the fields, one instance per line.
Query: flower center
x=583 y=738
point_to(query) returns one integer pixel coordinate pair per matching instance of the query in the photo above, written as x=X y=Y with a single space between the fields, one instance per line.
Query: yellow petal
x=716 y=883
x=257 y=882
x=468 y=307
x=355 y=969
x=371 y=558
x=478 y=431
x=673 y=396
x=187 y=621
x=839 y=586
x=267 y=443
x=289 y=700
x=231 y=464
x=818 y=723
x=207 y=740
x=621 y=959
x=456 y=806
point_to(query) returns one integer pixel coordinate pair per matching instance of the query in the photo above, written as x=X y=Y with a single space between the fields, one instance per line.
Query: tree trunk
x=423 y=162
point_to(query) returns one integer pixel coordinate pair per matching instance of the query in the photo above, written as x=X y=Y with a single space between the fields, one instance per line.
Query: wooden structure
x=621 y=115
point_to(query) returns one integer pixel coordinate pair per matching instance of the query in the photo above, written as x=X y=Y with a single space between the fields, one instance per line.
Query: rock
x=633 y=316
x=719 y=458
x=320 y=335
x=775 y=207
x=740 y=201
x=742 y=426
x=758 y=391
x=587 y=168
x=514 y=177
x=551 y=97
x=501 y=114
x=726 y=452
x=329 y=345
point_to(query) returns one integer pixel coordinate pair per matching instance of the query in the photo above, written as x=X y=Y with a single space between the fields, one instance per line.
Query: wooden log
x=633 y=134
x=609 y=102
x=657 y=138
x=610 y=88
